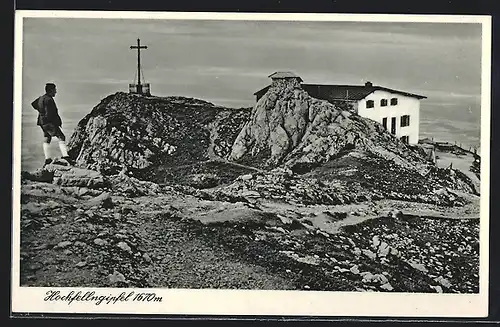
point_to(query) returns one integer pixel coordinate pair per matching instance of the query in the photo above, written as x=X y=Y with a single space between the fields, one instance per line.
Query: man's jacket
x=47 y=111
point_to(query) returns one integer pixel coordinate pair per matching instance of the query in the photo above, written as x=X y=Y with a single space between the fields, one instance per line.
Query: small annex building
x=398 y=111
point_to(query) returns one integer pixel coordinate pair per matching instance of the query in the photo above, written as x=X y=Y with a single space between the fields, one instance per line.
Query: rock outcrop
x=142 y=133
x=288 y=126
x=82 y=181
x=282 y=185
x=59 y=172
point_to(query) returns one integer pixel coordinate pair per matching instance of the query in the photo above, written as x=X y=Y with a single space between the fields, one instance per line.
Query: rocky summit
x=288 y=126
x=143 y=134
x=295 y=193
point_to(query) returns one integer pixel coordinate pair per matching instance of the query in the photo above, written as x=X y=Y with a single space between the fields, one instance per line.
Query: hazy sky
x=226 y=61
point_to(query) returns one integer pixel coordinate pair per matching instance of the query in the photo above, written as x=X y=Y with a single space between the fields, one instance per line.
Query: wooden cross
x=138 y=47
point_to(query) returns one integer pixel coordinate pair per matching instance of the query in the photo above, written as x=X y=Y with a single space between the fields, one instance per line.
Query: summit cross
x=138 y=47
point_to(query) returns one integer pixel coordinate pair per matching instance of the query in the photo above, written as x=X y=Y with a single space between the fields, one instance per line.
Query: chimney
x=368 y=84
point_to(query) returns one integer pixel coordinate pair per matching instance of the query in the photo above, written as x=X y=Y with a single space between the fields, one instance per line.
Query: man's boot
x=47 y=162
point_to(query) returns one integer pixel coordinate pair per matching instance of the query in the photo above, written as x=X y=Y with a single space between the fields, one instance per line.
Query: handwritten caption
x=99 y=298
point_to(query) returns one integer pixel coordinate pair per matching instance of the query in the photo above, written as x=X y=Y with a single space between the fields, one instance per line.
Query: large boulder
x=61 y=173
x=74 y=176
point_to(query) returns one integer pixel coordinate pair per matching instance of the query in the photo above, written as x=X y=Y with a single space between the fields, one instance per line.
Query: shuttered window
x=405 y=120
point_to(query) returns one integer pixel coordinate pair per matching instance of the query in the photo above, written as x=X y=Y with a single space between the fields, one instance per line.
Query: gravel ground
x=102 y=248
x=162 y=242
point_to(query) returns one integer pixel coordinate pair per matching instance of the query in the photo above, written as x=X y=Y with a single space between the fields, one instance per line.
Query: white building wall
x=406 y=106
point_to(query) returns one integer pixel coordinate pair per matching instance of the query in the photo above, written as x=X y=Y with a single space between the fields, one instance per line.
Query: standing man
x=50 y=122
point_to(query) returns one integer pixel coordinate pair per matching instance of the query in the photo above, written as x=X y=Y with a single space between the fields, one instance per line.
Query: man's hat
x=49 y=87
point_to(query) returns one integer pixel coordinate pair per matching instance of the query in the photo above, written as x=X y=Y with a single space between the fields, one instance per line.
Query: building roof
x=284 y=75
x=346 y=92
x=408 y=94
x=343 y=92
x=353 y=92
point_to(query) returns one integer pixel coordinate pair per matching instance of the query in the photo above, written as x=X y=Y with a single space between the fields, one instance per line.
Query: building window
x=394 y=101
x=405 y=139
x=383 y=103
x=384 y=123
x=370 y=103
x=405 y=120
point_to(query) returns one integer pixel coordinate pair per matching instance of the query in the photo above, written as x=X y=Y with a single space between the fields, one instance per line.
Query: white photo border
x=256 y=302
